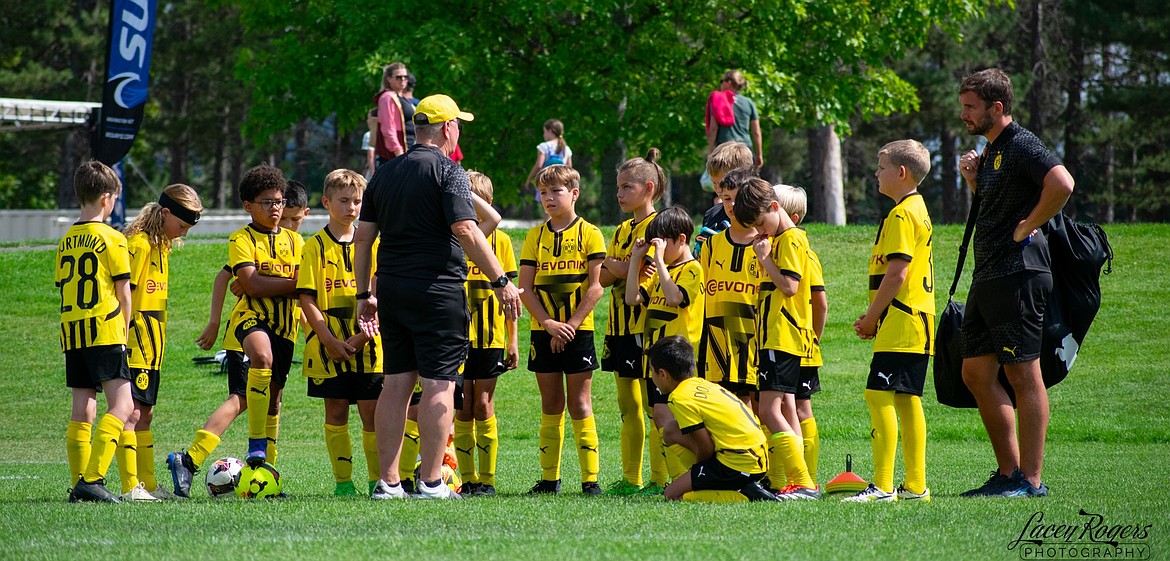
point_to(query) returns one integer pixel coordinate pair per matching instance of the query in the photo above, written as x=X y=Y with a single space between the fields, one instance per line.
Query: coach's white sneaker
x=383 y=491
x=438 y=492
x=138 y=493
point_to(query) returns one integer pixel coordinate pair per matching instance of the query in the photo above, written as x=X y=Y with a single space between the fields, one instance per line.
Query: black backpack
x=1078 y=252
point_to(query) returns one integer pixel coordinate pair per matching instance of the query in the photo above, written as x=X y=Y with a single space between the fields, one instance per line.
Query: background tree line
x=237 y=83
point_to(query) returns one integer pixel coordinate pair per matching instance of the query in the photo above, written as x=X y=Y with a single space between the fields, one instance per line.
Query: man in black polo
x=1020 y=185
x=420 y=205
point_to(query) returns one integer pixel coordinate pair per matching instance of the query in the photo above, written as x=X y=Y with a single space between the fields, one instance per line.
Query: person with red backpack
x=731 y=116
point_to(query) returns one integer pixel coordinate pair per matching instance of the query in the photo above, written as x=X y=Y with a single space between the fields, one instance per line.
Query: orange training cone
x=847 y=482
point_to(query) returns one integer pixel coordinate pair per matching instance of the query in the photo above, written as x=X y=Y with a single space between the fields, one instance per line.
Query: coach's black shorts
x=89 y=367
x=623 y=355
x=144 y=390
x=897 y=372
x=1005 y=316
x=238 y=364
x=712 y=475
x=810 y=382
x=739 y=389
x=424 y=327
x=579 y=355
x=352 y=387
x=779 y=371
x=484 y=364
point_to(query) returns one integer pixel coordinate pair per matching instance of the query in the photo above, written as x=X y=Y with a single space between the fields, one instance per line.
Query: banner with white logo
x=130 y=38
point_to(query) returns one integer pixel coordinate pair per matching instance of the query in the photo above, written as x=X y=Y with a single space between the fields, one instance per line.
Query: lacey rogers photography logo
x=1089 y=537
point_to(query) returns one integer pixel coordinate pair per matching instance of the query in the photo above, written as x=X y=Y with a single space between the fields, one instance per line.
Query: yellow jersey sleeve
x=816 y=280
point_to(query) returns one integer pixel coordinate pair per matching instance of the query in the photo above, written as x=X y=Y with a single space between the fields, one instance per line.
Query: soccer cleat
x=138 y=493
x=871 y=494
x=590 y=488
x=344 y=489
x=383 y=491
x=440 y=491
x=1023 y=488
x=622 y=488
x=756 y=492
x=182 y=472
x=257 y=452
x=546 y=487
x=161 y=493
x=793 y=492
x=651 y=489
x=407 y=486
x=469 y=489
x=485 y=490
x=904 y=495
x=995 y=486
x=96 y=492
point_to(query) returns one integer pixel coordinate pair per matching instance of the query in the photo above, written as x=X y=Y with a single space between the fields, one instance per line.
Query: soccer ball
x=261 y=482
x=223 y=477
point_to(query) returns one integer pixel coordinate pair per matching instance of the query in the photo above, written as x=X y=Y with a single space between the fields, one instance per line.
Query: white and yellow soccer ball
x=259 y=482
x=223 y=476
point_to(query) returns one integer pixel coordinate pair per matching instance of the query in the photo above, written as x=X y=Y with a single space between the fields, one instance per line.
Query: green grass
x=1108 y=448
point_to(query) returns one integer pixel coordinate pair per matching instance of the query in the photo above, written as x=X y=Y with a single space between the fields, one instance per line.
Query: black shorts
x=351 y=387
x=484 y=364
x=238 y=365
x=89 y=367
x=424 y=327
x=739 y=389
x=654 y=396
x=1005 y=316
x=144 y=390
x=897 y=372
x=712 y=475
x=779 y=371
x=579 y=355
x=623 y=355
x=810 y=382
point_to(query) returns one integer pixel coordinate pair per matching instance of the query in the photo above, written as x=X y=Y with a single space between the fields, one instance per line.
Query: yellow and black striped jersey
x=487 y=315
x=273 y=254
x=727 y=349
x=149 y=271
x=623 y=319
x=816 y=281
x=90 y=258
x=561 y=260
x=907 y=325
x=663 y=320
x=735 y=430
x=785 y=324
x=327 y=275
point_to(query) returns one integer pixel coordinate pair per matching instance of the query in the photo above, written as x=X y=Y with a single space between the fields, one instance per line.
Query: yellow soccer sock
x=552 y=435
x=487 y=441
x=633 y=433
x=658 y=470
x=127 y=457
x=464 y=442
x=105 y=444
x=370 y=447
x=77 y=447
x=790 y=455
x=678 y=460
x=271 y=432
x=146 y=459
x=715 y=497
x=585 y=433
x=812 y=446
x=258 y=396
x=408 y=459
x=202 y=447
x=884 y=438
x=913 y=440
x=340 y=452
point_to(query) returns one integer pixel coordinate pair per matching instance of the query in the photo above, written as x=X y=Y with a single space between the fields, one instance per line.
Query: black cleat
x=182 y=472
x=408 y=486
x=96 y=492
x=754 y=492
x=485 y=490
x=546 y=487
x=590 y=488
x=469 y=489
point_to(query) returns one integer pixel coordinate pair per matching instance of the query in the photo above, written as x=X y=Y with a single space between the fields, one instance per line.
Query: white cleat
x=138 y=493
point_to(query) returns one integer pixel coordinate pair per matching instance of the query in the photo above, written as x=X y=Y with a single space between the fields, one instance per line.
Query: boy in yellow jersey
x=673 y=301
x=93 y=277
x=784 y=329
x=640 y=183
x=342 y=364
x=559 y=268
x=900 y=320
x=714 y=432
x=727 y=350
x=494 y=350
x=150 y=239
x=276 y=251
x=724 y=158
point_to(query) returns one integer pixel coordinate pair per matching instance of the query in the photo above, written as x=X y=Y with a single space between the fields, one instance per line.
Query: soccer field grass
x=1108 y=448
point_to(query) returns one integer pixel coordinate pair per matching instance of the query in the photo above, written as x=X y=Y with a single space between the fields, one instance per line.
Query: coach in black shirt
x=420 y=205
x=1020 y=185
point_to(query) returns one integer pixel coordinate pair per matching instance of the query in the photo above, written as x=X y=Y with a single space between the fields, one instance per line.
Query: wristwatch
x=500 y=282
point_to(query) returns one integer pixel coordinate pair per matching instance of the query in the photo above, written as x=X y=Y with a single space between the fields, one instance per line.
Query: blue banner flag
x=130 y=38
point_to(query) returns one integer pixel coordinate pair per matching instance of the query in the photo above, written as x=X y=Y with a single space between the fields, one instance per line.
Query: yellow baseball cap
x=435 y=109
